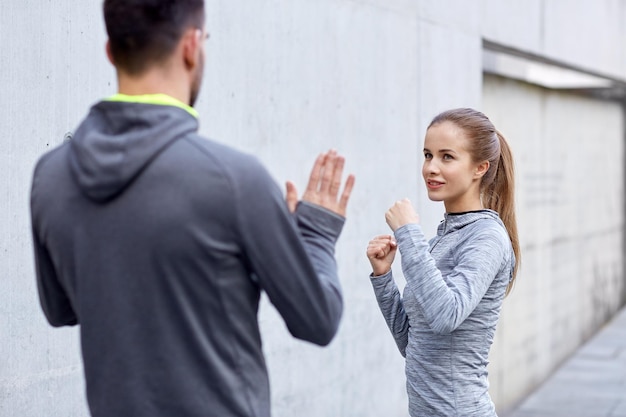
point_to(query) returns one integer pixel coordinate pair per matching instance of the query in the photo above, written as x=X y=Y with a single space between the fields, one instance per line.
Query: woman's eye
x=447 y=156
x=427 y=155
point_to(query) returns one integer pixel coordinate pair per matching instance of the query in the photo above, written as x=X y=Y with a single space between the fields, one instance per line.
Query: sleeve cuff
x=319 y=219
x=379 y=281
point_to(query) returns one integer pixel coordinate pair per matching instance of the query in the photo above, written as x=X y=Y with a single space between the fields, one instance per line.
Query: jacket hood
x=456 y=221
x=118 y=140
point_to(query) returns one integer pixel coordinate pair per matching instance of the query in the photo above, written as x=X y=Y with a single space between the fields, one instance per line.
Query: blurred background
x=287 y=79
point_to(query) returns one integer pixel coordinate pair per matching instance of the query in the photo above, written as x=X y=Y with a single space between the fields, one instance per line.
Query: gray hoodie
x=446 y=319
x=158 y=243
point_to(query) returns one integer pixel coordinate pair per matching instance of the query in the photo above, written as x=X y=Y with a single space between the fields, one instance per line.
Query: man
x=158 y=242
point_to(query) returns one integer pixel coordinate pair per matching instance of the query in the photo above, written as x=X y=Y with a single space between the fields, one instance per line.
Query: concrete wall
x=286 y=79
x=52 y=67
x=570 y=159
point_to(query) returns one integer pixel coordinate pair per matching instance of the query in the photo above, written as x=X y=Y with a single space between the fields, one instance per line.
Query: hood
x=456 y=221
x=118 y=140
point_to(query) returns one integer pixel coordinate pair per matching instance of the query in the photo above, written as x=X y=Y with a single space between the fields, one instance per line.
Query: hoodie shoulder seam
x=44 y=159
x=219 y=163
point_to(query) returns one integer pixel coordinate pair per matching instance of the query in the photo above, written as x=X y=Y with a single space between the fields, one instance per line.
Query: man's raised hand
x=324 y=185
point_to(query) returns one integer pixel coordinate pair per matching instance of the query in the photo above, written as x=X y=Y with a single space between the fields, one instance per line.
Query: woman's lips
x=434 y=185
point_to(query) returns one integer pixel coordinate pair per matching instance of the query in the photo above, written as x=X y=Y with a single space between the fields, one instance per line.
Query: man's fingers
x=325 y=183
x=329 y=169
x=336 y=177
x=316 y=172
x=347 y=191
x=291 y=196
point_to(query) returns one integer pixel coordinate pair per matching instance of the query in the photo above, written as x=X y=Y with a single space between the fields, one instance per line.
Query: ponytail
x=500 y=197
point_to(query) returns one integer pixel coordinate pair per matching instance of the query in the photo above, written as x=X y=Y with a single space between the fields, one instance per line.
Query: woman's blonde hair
x=498 y=183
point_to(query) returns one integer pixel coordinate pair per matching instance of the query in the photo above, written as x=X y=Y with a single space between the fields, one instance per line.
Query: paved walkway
x=592 y=383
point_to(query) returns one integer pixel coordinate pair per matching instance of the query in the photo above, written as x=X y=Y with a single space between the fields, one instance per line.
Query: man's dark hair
x=144 y=32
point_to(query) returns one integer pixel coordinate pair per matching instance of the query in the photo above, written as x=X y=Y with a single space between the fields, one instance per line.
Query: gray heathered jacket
x=158 y=243
x=446 y=319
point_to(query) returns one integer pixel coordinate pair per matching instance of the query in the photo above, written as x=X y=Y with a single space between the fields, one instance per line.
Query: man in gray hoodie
x=158 y=242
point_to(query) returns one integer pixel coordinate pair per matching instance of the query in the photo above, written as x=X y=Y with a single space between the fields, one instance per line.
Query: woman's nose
x=431 y=167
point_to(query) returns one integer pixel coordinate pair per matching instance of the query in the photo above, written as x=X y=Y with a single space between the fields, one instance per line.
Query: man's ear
x=109 y=54
x=481 y=169
x=191 y=44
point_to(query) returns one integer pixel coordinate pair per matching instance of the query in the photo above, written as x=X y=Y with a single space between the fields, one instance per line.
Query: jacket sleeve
x=52 y=297
x=292 y=256
x=390 y=303
x=447 y=301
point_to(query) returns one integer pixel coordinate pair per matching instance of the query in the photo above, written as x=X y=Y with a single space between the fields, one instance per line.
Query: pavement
x=591 y=383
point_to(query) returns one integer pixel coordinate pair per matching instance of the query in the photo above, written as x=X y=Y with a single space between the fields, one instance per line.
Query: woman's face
x=449 y=172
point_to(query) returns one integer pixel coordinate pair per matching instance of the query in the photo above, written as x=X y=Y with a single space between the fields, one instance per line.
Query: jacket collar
x=456 y=221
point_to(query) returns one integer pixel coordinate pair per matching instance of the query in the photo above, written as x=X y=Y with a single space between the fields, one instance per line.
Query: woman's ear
x=481 y=169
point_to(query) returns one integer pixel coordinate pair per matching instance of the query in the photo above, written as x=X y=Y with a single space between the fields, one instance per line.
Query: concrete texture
x=554 y=29
x=592 y=383
x=571 y=228
x=52 y=67
x=287 y=79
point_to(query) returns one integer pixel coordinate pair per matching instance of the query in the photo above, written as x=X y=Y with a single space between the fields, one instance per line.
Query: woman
x=446 y=319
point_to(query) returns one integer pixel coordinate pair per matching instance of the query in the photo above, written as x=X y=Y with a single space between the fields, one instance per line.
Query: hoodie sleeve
x=446 y=303
x=52 y=297
x=390 y=304
x=292 y=256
